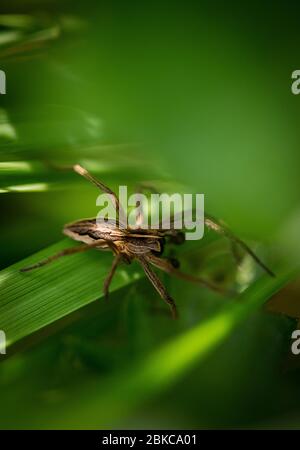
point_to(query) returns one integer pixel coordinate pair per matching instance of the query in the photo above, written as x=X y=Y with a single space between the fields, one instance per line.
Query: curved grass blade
x=102 y=406
x=31 y=301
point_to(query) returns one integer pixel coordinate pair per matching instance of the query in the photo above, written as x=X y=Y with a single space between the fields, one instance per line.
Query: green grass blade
x=104 y=405
x=32 y=300
x=35 y=176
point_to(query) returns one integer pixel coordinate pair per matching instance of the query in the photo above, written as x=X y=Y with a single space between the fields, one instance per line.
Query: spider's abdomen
x=88 y=230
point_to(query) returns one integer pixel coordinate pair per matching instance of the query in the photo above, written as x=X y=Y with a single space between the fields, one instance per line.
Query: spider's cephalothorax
x=145 y=246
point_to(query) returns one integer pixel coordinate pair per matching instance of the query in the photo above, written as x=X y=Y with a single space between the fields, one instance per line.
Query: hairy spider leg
x=109 y=277
x=67 y=251
x=157 y=284
x=168 y=267
x=221 y=229
x=84 y=173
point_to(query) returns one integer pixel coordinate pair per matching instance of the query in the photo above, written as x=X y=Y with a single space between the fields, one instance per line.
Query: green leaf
x=166 y=365
x=30 y=301
x=36 y=176
x=104 y=403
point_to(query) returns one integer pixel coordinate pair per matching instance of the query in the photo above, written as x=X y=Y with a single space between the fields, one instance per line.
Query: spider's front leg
x=221 y=229
x=84 y=173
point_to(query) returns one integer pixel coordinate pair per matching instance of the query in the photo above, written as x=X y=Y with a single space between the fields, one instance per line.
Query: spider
x=145 y=246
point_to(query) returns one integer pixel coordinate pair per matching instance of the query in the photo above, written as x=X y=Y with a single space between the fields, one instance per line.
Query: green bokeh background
x=198 y=94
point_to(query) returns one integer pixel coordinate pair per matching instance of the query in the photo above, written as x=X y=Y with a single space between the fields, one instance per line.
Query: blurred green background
x=196 y=97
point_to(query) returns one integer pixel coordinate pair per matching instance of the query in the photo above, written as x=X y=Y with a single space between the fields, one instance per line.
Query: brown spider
x=145 y=246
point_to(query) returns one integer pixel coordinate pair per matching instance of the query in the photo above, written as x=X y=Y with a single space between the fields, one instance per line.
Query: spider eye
x=178 y=238
x=175 y=263
x=161 y=249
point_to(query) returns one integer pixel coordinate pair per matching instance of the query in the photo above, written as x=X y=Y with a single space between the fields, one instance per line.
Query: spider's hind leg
x=109 y=277
x=67 y=251
x=156 y=282
x=168 y=267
